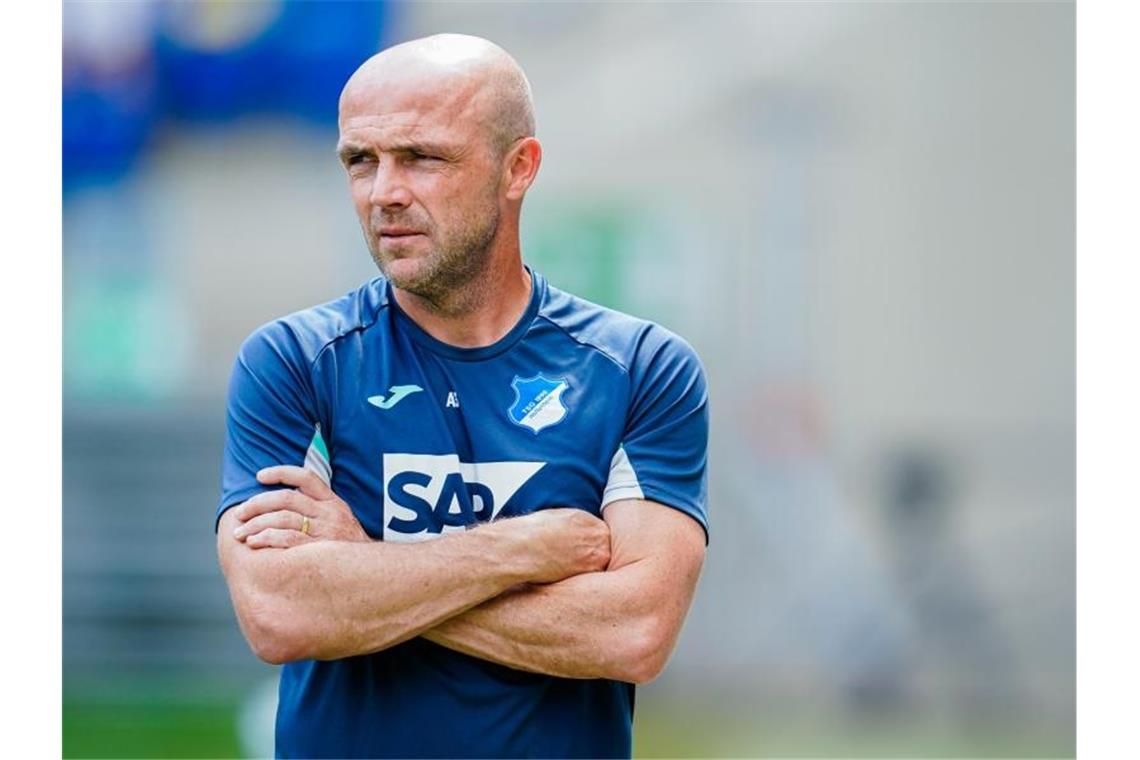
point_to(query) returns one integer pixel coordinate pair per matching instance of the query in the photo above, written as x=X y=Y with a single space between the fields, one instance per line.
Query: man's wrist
x=511 y=550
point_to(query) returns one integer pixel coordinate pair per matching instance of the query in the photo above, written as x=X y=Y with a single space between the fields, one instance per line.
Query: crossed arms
x=557 y=591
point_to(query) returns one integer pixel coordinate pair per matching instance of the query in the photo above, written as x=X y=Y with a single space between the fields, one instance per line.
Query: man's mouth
x=398 y=232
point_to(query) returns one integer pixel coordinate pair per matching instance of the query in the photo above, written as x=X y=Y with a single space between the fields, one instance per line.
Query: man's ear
x=522 y=162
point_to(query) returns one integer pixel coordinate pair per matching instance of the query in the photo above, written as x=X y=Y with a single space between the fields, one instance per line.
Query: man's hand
x=285 y=518
x=566 y=541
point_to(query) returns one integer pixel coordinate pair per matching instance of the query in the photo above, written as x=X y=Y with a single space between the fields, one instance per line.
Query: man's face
x=424 y=180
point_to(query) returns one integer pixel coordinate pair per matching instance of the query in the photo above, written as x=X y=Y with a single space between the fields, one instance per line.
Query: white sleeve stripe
x=622 y=482
x=316 y=462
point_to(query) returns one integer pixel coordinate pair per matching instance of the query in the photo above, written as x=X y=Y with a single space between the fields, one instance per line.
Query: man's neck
x=479 y=316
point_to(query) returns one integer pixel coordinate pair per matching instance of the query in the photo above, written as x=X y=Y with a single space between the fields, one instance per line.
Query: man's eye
x=357 y=158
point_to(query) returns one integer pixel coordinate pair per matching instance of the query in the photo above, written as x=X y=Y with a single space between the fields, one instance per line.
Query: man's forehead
x=400 y=128
x=410 y=83
x=428 y=101
x=400 y=114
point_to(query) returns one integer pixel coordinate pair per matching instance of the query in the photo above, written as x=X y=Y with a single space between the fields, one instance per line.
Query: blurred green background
x=208 y=729
x=860 y=214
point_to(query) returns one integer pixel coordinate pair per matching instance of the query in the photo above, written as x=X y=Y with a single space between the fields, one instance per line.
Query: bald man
x=465 y=509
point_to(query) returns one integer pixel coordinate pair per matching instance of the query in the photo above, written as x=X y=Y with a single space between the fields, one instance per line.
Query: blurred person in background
x=457 y=389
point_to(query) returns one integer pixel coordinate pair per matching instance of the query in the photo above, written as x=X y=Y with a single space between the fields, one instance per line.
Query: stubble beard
x=449 y=276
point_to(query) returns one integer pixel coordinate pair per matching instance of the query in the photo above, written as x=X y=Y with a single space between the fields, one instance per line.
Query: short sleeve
x=271 y=415
x=663 y=455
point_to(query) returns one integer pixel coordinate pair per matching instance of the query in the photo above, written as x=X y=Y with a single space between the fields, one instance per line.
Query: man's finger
x=282 y=518
x=276 y=538
x=274 y=501
x=298 y=477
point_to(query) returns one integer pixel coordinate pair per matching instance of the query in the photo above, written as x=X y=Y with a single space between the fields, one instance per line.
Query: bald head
x=494 y=86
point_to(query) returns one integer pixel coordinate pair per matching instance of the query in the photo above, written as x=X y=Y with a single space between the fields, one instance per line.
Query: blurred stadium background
x=862 y=216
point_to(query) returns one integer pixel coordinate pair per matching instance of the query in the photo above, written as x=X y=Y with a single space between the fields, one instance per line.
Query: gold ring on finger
x=305 y=524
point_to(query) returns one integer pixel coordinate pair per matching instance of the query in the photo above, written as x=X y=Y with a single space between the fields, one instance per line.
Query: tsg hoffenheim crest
x=538 y=401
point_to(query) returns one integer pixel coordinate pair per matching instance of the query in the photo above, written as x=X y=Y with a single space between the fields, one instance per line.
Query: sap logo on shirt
x=426 y=495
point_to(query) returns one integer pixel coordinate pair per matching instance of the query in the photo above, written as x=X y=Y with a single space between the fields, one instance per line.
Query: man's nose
x=389 y=189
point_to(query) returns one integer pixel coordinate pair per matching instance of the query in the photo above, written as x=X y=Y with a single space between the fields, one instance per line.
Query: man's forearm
x=332 y=599
x=594 y=625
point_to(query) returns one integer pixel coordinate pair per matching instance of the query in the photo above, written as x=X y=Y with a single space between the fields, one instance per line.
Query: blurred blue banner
x=129 y=65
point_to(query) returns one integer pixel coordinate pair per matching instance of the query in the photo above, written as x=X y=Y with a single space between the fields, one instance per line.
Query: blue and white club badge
x=538 y=401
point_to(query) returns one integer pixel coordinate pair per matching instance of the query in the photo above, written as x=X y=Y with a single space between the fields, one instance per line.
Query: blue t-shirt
x=577 y=406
